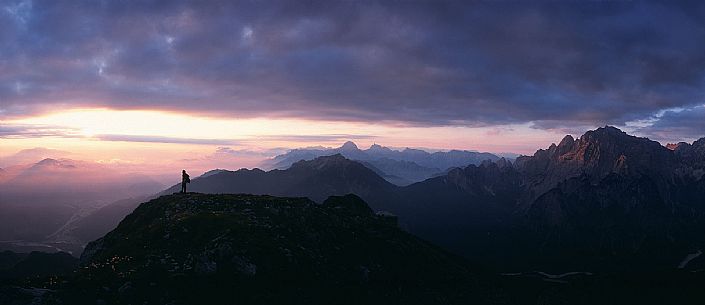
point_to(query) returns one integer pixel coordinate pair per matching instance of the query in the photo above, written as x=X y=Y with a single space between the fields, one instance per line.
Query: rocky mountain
x=610 y=194
x=602 y=200
x=596 y=155
x=401 y=167
x=219 y=249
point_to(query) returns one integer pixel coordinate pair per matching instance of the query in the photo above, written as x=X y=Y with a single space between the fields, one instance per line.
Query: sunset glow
x=158 y=137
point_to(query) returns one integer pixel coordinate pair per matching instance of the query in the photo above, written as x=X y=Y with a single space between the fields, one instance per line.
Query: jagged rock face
x=692 y=154
x=607 y=193
x=246 y=249
x=606 y=151
x=614 y=195
x=595 y=155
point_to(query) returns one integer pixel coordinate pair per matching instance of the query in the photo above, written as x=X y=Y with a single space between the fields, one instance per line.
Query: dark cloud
x=457 y=62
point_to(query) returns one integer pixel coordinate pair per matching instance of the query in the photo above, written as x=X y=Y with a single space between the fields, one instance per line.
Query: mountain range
x=604 y=198
x=607 y=195
x=606 y=218
x=400 y=167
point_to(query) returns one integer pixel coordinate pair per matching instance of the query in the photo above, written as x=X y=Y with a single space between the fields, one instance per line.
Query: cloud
x=674 y=126
x=266 y=153
x=229 y=158
x=316 y=138
x=470 y=63
x=160 y=139
x=22 y=131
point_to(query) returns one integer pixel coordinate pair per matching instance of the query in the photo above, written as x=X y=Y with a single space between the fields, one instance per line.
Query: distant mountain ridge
x=316 y=179
x=401 y=167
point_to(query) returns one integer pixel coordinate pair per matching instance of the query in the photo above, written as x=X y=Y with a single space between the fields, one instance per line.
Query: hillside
x=212 y=249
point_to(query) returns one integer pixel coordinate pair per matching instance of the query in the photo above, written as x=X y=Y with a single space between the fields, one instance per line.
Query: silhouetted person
x=184 y=179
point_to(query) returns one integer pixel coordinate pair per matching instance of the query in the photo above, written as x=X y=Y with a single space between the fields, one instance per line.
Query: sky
x=161 y=85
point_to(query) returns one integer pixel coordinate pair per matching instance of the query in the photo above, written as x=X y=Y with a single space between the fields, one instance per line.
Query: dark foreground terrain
x=246 y=249
x=226 y=249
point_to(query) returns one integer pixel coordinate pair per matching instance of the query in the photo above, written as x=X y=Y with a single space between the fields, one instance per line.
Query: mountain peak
x=323 y=162
x=567 y=141
x=605 y=132
x=596 y=154
x=376 y=146
x=699 y=143
x=349 y=145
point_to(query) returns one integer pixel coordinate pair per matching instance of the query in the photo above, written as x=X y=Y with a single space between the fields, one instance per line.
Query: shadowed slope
x=197 y=248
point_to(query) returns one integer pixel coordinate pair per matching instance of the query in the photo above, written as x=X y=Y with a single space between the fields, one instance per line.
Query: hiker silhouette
x=184 y=179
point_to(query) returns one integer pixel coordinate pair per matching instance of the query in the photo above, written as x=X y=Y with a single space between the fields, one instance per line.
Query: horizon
x=32 y=156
